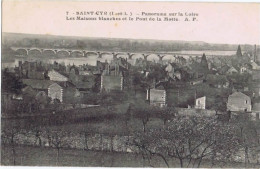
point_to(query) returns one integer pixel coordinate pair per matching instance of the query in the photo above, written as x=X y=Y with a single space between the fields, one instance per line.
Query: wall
x=196 y=112
x=239 y=103
x=82 y=140
x=157 y=97
x=200 y=103
x=111 y=83
x=101 y=142
x=55 y=92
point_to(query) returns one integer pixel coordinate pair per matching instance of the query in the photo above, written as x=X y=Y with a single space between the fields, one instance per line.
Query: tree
x=247 y=132
x=8 y=135
x=220 y=104
x=165 y=114
x=157 y=73
x=37 y=130
x=11 y=83
x=190 y=140
x=144 y=113
x=204 y=64
x=57 y=139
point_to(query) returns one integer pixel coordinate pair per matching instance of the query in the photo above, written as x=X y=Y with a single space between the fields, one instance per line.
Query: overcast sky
x=234 y=23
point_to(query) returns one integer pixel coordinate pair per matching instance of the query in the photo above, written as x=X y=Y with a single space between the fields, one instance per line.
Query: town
x=118 y=105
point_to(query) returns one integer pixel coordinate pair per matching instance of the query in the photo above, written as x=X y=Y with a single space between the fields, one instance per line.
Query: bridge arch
x=135 y=55
x=76 y=53
x=51 y=52
x=21 y=51
x=105 y=54
x=121 y=54
x=34 y=52
x=62 y=53
x=87 y=53
x=168 y=57
x=151 y=56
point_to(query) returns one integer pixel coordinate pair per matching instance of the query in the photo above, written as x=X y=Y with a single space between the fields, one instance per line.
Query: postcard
x=130 y=84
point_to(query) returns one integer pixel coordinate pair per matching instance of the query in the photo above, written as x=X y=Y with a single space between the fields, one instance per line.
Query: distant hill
x=113 y=44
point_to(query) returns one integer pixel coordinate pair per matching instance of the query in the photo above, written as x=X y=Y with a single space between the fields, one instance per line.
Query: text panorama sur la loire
x=129 y=16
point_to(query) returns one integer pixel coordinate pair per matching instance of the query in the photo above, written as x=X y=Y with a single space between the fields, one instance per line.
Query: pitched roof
x=238 y=95
x=28 y=90
x=38 y=84
x=87 y=83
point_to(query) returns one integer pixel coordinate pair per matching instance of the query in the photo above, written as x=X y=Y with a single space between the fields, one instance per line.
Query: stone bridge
x=99 y=54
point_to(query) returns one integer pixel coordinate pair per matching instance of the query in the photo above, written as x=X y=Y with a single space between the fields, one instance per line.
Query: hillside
x=52 y=41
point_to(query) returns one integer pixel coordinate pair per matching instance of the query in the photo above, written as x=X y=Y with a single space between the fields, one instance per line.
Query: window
x=246 y=101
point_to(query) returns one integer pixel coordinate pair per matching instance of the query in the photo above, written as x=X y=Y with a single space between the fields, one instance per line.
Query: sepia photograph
x=130 y=84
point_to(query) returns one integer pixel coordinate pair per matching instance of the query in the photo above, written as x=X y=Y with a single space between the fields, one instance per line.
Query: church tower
x=239 y=53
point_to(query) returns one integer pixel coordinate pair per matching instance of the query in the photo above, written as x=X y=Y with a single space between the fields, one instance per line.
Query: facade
x=256 y=111
x=109 y=83
x=55 y=91
x=200 y=103
x=156 y=97
x=239 y=102
x=56 y=76
x=232 y=70
x=112 y=78
x=255 y=66
x=64 y=92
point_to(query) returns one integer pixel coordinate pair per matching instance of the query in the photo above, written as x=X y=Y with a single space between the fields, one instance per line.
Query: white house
x=200 y=103
x=239 y=102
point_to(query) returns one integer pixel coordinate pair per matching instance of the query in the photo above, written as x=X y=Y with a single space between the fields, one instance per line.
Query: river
x=92 y=59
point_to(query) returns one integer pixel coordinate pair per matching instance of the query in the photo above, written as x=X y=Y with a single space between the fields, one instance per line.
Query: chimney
x=154 y=83
x=148 y=94
x=195 y=97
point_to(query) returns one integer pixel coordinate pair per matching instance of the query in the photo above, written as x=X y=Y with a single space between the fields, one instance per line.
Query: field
x=36 y=156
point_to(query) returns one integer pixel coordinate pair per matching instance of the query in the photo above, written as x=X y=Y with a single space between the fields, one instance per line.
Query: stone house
x=200 y=103
x=245 y=68
x=112 y=78
x=55 y=91
x=156 y=96
x=238 y=101
x=64 y=92
x=231 y=70
x=254 y=65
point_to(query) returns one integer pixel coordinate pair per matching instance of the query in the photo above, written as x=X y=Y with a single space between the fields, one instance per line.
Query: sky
x=229 y=23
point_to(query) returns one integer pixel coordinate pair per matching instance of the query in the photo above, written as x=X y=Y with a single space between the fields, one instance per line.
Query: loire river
x=92 y=59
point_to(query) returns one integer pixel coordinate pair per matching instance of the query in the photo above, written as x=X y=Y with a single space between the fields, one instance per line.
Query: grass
x=39 y=156
x=110 y=126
